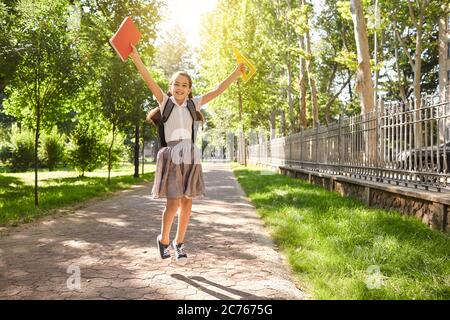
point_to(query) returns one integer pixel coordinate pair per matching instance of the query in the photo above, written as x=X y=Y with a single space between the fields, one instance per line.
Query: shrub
x=86 y=150
x=5 y=152
x=51 y=151
x=18 y=154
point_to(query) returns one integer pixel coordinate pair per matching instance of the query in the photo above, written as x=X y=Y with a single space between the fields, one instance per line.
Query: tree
x=47 y=72
x=415 y=28
x=120 y=93
x=52 y=149
x=262 y=40
x=310 y=65
x=364 y=83
x=115 y=85
x=414 y=60
x=9 y=57
x=85 y=147
x=174 y=54
x=444 y=29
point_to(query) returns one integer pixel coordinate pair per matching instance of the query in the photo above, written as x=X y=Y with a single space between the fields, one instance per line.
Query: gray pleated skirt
x=178 y=171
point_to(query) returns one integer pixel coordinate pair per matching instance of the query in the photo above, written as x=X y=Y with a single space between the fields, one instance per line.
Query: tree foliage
x=272 y=42
x=85 y=150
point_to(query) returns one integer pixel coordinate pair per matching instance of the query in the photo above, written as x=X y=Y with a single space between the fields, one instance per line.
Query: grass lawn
x=58 y=189
x=339 y=249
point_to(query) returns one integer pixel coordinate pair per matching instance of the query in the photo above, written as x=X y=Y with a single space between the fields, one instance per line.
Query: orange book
x=126 y=34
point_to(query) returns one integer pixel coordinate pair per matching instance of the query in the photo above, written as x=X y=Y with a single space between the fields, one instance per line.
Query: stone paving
x=106 y=249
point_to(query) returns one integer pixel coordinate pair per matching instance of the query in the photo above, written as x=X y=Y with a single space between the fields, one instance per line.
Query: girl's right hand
x=134 y=54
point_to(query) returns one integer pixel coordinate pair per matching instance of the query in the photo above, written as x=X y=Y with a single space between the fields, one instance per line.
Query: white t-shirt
x=179 y=124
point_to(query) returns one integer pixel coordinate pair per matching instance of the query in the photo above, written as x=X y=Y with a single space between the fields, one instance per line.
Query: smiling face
x=180 y=86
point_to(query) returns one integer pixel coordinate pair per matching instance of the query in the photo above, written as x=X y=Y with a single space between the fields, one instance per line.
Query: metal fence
x=401 y=143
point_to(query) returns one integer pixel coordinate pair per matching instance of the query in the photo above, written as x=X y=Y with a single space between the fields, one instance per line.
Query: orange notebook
x=126 y=34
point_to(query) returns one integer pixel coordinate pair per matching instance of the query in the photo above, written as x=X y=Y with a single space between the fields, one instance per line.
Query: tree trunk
x=302 y=84
x=416 y=63
x=443 y=56
x=289 y=88
x=143 y=148
x=272 y=124
x=312 y=81
x=364 y=84
x=417 y=87
x=136 y=152
x=375 y=53
x=241 y=110
x=36 y=146
x=443 y=80
x=283 y=123
x=402 y=89
x=330 y=102
x=110 y=152
x=290 y=100
x=350 y=90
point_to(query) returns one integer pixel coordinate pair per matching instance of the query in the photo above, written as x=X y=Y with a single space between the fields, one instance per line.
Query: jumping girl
x=178 y=176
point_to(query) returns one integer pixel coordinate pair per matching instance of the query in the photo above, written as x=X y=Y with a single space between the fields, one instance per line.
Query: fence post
x=317 y=146
x=290 y=148
x=380 y=138
x=377 y=124
x=340 y=144
x=300 y=147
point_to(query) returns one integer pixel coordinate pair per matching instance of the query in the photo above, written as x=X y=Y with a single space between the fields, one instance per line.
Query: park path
x=111 y=245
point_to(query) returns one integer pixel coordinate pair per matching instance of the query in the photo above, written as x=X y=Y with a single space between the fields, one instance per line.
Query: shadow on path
x=196 y=280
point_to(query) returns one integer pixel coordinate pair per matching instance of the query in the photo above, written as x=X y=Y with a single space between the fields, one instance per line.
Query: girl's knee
x=173 y=204
x=186 y=200
x=186 y=204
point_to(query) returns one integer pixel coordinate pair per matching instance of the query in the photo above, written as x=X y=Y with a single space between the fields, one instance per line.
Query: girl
x=181 y=179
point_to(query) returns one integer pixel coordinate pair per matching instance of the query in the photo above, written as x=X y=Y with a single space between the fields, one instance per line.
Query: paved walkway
x=111 y=245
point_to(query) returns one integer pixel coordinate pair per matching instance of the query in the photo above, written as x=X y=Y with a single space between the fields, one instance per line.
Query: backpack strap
x=191 y=108
x=168 y=108
x=193 y=112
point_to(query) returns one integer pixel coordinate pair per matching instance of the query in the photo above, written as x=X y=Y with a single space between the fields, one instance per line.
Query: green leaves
x=343 y=8
x=85 y=148
x=348 y=59
x=298 y=18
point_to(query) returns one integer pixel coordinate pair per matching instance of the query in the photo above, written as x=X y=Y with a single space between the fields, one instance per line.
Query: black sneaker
x=163 y=250
x=180 y=255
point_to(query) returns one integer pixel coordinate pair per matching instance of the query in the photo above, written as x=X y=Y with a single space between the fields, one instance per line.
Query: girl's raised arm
x=240 y=69
x=152 y=85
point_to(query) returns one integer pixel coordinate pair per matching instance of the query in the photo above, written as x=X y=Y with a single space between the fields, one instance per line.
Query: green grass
x=58 y=189
x=336 y=245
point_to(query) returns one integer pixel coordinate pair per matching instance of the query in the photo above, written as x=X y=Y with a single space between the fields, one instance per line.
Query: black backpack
x=154 y=116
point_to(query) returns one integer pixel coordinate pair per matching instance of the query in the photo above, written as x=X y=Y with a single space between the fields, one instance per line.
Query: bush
x=5 y=153
x=86 y=150
x=18 y=154
x=51 y=151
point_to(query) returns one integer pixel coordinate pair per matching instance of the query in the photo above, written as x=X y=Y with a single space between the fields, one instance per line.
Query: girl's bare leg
x=167 y=219
x=183 y=219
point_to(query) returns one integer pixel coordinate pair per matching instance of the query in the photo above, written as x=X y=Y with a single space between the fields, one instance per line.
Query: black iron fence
x=403 y=143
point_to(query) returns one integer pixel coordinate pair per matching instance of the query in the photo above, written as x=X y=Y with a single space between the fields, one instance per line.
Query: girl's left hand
x=240 y=69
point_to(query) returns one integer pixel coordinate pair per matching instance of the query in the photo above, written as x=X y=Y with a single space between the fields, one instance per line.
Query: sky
x=187 y=14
